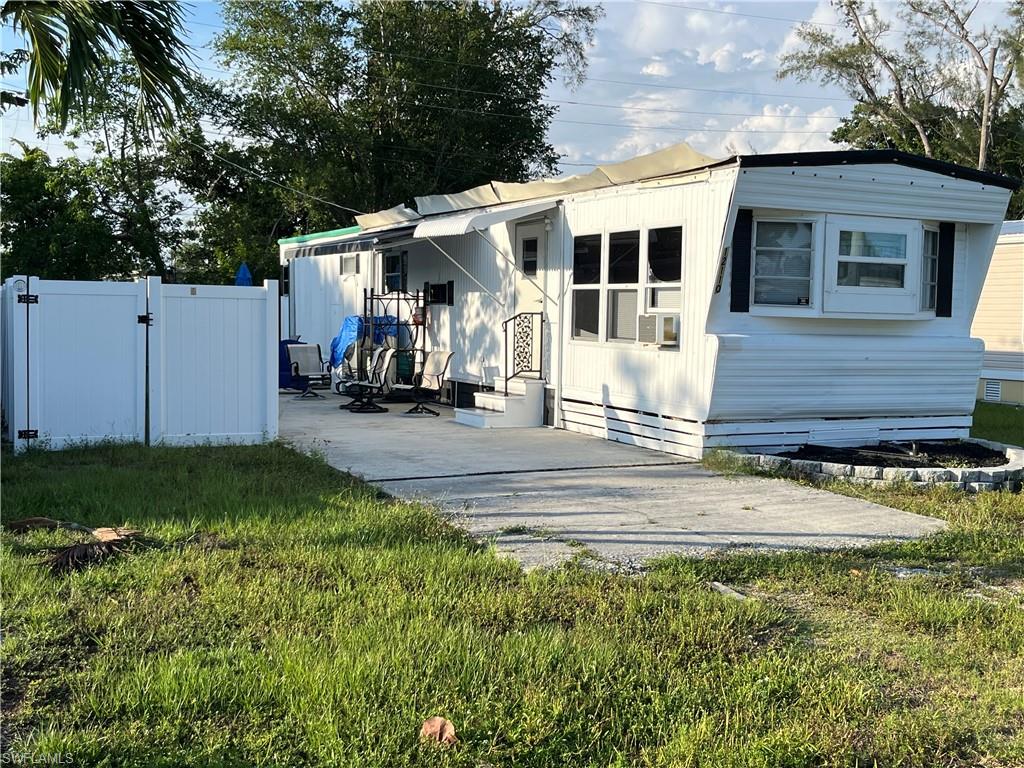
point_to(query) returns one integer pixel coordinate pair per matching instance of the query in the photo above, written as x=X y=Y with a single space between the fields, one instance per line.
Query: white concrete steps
x=523 y=407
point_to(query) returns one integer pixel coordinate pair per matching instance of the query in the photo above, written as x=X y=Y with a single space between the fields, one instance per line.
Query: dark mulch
x=952 y=453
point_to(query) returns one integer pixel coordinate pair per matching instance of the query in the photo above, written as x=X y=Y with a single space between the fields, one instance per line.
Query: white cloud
x=756 y=57
x=656 y=68
x=723 y=57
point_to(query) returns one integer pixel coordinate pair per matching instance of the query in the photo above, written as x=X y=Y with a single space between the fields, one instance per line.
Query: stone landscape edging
x=1008 y=476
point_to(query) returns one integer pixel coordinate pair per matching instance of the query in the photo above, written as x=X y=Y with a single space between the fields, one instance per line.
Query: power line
x=573 y=102
x=622 y=82
x=782 y=19
x=675 y=129
x=267 y=179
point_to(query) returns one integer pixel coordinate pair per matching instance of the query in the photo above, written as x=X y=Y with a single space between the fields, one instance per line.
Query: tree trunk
x=986 y=110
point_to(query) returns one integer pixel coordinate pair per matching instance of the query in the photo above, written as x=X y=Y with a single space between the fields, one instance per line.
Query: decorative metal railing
x=524 y=346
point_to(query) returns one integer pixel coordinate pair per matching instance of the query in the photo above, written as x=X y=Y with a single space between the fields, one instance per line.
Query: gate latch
x=146 y=319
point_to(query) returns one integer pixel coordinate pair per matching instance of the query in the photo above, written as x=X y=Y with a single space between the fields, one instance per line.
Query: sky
x=660 y=72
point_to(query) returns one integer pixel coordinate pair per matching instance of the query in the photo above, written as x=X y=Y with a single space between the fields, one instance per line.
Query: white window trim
x=607 y=286
x=354 y=256
x=645 y=271
x=599 y=286
x=603 y=286
x=870 y=300
x=924 y=272
x=817 y=237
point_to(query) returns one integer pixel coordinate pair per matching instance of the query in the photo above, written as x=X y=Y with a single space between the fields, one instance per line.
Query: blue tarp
x=352 y=330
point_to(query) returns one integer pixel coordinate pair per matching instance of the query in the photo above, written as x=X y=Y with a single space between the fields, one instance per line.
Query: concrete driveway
x=543 y=494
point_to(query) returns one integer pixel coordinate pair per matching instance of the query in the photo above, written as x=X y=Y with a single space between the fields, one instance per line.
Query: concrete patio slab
x=542 y=495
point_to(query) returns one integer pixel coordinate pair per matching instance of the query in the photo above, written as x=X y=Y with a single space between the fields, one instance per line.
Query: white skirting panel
x=692 y=439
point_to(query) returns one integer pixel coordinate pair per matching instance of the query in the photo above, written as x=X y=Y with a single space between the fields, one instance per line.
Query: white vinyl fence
x=142 y=362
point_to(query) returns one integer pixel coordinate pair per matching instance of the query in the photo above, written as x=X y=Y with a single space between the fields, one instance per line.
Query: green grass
x=318 y=623
x=1001 y=423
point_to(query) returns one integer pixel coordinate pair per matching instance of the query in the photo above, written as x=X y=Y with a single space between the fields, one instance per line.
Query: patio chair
x=346 y=372
x=373 y=386
x=427 y=384
x=348 y=386
x=307 y=362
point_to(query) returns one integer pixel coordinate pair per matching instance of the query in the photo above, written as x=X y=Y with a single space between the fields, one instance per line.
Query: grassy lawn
x=1002 y=423
x=293 y=616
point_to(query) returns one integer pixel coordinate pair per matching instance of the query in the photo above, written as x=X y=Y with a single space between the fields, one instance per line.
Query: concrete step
x=517 y=385
x=494 y=409
x=495 y=401
x=479 y=418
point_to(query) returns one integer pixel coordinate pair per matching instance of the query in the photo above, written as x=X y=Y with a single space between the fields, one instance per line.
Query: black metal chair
x=375 y=385
x=428 y=383
x=307 y=362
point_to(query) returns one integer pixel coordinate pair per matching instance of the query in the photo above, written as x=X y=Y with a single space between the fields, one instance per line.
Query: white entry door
x=531 y=242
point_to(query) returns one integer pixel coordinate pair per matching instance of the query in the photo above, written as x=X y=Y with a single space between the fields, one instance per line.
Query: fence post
x=271 y=344
x=16 y=362
x=154 y=373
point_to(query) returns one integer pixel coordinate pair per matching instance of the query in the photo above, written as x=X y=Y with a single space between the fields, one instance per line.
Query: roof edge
x=878 y=157
x=320 y=235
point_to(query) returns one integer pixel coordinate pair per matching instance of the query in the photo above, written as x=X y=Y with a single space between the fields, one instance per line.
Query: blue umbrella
x=243 y=276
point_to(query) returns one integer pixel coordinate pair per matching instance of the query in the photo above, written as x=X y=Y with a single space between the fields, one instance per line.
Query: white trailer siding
x=672 y=381
x=320 y=297
x=471 y=327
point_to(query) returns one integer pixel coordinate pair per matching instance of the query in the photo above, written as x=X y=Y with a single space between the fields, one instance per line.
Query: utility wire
x=782 y=19
x=673 y=128
x=573 y=102
x=267 y=179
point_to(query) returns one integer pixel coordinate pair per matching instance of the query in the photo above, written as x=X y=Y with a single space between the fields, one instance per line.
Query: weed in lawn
x=329 y=621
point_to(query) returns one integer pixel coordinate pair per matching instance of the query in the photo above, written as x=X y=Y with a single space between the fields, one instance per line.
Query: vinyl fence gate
x=86 y=362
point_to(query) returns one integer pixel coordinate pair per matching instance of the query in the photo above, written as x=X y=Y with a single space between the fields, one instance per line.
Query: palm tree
x=68 y=40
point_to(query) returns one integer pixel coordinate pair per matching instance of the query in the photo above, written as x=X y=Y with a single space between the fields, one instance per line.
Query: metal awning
x=461 y=223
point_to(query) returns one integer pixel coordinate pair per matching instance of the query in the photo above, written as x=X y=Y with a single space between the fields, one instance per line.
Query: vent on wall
x=993 y=390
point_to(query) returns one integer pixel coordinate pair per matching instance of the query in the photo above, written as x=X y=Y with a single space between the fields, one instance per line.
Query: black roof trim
x=877 y=157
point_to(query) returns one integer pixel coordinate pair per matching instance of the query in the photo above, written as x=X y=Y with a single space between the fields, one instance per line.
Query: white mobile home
x=999 y=321
x=683 y=303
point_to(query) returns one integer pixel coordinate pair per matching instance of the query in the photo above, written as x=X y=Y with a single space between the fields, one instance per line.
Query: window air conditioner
x=660 y=330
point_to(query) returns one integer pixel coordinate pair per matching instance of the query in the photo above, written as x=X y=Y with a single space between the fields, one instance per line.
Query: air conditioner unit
x=659 y=330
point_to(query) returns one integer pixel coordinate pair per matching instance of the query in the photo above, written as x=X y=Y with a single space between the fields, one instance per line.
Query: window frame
x=597 y=287
x=354 y=256
x=873 y=300
x=925 y=258
x=403 y=257
x=812 y=278
x=607 y=286
x=646 y=283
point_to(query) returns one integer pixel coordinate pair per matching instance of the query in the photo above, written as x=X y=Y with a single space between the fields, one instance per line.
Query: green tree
x=128 y=168
x=367 y=105
x=954 y=138
x=51 y=227
x=69 y=41
x=942 y=65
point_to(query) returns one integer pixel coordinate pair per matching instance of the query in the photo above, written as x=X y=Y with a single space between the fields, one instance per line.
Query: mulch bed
x=952 y=453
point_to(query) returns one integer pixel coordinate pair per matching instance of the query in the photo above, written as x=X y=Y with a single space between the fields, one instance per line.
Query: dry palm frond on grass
x=106 y=543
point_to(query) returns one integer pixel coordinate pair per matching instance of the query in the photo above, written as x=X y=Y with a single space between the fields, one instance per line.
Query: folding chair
x=427 y=384
x=373 y=386
x=307 y=362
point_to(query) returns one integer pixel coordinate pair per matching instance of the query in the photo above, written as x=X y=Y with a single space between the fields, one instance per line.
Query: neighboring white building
x=999 y=321
x=689 y=303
